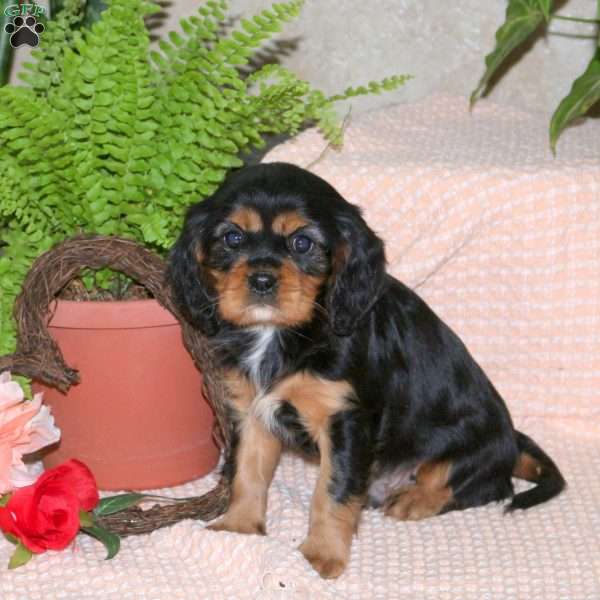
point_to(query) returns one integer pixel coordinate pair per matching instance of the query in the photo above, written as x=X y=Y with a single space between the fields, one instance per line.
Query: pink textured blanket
x=503 y=241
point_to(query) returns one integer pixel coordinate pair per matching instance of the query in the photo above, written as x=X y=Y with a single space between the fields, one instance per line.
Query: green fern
x=112 y=137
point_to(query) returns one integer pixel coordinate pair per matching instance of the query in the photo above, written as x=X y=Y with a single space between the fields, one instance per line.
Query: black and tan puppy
x=326 y=353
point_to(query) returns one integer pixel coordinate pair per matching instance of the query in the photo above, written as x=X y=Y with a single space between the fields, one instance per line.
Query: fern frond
x=388 y=84
x=115 y=138
x=61 y=32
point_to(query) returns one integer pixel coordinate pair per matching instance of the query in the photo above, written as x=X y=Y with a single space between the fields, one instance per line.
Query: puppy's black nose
x=262 y=282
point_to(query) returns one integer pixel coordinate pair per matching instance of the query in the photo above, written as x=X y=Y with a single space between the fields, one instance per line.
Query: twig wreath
x=38 y=357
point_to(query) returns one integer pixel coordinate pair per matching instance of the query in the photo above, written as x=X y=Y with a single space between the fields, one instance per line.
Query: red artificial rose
x=45 y=515
x=74 y=475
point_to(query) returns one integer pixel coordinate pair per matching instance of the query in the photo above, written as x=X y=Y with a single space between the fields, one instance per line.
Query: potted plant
x=111 y=136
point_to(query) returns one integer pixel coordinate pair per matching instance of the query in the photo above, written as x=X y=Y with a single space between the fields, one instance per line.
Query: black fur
x=187 y=279
x=418 y=393
x=293 y=432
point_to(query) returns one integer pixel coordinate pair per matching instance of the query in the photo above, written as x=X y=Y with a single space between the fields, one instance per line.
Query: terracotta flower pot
x=138 y=418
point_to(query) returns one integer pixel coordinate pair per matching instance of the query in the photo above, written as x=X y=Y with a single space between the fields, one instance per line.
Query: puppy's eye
x=301 y=244
x=233 y=239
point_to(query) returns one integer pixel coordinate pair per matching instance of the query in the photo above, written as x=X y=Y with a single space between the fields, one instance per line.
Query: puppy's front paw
x=328 y=561
x=239 y=524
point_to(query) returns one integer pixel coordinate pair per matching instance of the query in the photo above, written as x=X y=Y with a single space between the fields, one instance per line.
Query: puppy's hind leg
x=430 y=495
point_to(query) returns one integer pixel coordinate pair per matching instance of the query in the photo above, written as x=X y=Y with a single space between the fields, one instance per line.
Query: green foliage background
x=523 y=19
x=110 y=136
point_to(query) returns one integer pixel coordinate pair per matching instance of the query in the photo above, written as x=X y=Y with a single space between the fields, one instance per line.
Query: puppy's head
x=275 y=245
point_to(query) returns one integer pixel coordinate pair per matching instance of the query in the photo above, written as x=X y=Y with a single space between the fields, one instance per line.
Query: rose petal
x=10 y=391
x=43 y=517
x=14 y=418
x=41 y=430
x=22 y=475
x=78 y=478
x=5 y=467
x=19 y=519
x=57 y=516
x=7 y=522
x=25 y=427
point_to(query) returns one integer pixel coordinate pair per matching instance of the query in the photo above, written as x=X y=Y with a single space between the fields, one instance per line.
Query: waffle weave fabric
x=503 y=241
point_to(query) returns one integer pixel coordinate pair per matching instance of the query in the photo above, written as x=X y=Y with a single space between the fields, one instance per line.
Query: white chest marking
x=253 y=361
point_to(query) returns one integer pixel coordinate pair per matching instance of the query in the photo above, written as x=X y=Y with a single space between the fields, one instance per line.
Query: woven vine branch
x=38 y=357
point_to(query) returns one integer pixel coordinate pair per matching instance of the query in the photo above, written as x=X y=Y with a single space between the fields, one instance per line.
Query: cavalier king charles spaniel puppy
x=325 y=353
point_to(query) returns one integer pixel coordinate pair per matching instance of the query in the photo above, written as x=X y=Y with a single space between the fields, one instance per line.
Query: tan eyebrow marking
x=247 y=219
x=288 y=222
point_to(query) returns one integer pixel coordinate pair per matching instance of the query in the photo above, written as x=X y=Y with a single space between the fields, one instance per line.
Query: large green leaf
x=20 y=556
x=114 y=504
x=111 y=541
x=584 y=93
x=546 y=8
x=523 y=17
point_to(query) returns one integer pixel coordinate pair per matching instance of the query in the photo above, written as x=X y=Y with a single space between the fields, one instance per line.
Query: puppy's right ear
x=192 y=292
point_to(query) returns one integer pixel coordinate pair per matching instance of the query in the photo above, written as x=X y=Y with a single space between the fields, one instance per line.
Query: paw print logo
x=24 y=31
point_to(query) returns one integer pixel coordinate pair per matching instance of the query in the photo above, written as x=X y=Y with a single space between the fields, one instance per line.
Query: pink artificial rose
x=25 y=426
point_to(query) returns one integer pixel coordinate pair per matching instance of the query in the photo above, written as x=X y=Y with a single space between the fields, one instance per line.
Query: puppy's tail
x=536 y=466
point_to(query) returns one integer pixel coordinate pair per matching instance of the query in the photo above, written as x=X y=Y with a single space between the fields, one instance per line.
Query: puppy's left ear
x=192 y=292
x=358 y=273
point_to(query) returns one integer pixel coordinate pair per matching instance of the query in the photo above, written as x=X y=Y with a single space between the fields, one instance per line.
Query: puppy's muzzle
x=262 y=283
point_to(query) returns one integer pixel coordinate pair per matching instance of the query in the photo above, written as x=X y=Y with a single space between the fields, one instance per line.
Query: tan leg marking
x=332 y=525
x=430 y=494
x=315 y=399
x=256 y=460
x=257 y=456
x=241 y=390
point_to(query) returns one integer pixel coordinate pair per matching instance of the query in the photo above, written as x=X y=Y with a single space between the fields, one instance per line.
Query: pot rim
x=108 y=314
